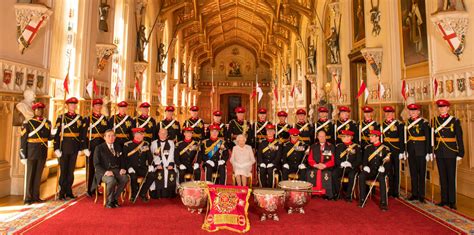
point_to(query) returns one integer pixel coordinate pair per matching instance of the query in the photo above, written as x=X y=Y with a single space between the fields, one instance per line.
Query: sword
x=370 y=190
x=140 y=188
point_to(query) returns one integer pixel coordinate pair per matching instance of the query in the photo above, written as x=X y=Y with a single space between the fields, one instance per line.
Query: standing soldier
x=67 y=145
x=345 y=123
x=170 y=124
x=258 y=128
x=376 y=155
x=238 y=126
x=217 y=117
x=121 y=123
x=282 y=127
x=34 y=151
x=293 y=157
x=214 y=155
x=305 y=128
x=366 y=125
x=348 y=162
x=325 y=124
x=93 y=128
x=448 y=148
x=419 y=151
x=186 y=157
x=392 y=133
x=268 y=158
x=196 y=123
x=147 y=122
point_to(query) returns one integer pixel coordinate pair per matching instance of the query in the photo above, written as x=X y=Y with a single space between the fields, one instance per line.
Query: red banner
x=228 y=209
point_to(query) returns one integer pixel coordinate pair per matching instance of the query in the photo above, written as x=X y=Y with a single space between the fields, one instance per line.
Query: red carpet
x=171 y=216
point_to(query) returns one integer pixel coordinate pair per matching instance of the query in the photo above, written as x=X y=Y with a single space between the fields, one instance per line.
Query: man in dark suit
x=110 y=168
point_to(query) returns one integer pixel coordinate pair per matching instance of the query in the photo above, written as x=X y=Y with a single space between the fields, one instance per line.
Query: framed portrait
x=358 y=23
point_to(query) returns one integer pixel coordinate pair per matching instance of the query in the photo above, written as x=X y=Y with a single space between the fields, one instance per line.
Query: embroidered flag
x=30 y=25
x=66 y=83
x=137 y=90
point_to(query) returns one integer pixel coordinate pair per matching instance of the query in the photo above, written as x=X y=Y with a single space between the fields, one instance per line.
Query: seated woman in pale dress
x=242 y=160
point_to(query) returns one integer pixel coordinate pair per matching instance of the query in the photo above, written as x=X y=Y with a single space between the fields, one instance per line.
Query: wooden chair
x=376 y=185
x=249 y=181
x=129 y=188
x=293 y=176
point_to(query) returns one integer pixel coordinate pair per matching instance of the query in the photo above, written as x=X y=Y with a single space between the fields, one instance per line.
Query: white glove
x=381 y=169
x=366 y=169
x=196 y=166
x=182 y=167
x=151 y=168
x=301 y=166
x=405 y=156
x=221 y=162
x=401 y=156
x=458 y=158
x=428 y=157
x=131 y=171
x=58 y=153
x=286 y=166
x=347 y=164
x=270 y=165
x=23 y=161
x=211 y=163
x=262 y=165
x=86 y=152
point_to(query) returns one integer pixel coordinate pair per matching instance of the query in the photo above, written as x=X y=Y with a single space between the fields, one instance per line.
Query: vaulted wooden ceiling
x=261 y=26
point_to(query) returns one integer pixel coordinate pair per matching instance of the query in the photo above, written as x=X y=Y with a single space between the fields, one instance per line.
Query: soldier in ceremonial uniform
x=259 y=132
x=33 y=152
x=121 y=123
x=214 y=155
x=321 y=160
x=366 y=125
x=448 y=149
x=348 y=161
x=293 y=156
x=139 y=163
x=376 y=157
x=217 y=117
x=306 y=129
x=93 y=127
x=186 y=157
x=67 y=144
x=268 y=158
x=325 y=124
x=282 y=127
x=196 y=123
x=163 y=157
x=238 y=126
x=419 y=151
x=392 y=137
x=170 y=124
x=147 y=122
x=345 y=123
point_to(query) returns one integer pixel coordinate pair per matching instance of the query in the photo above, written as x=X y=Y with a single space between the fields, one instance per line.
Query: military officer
x=348 y=161
x=325 y=124
x=366 y=125
x=345 y=123
x=214 y=155
x=33 y=152
x=392 y=137
x=170 y=124
x=376 y=157
x=93 y=127
x=217 y=120
x=305 y=128
x=448 y=149
x=196 y=123
x=67 y=145
x=121 y=124
x=238 y=126
x=268 y=158
x=293 y=156
x=419 y=151
x=146 y=121
x=139 y=163
x=259 y=132
x=282 y=127
x=186 y=157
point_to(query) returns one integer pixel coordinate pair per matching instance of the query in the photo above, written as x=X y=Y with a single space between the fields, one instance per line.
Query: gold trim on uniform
x=417 y=138
x=38 y=140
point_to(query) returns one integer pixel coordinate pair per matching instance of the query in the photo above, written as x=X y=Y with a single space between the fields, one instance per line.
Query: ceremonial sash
x=211 y=150
x=136 y=149
x=72 y=122
x=413 y=123
x=444 y=124
x=96 y=122
x=187 y=147
x=347 y=150
x=389 y=126
x=375 y=153
x=322 y=125
x=37 y=128
x=342 y=125
x=121 y=122
x=196 y=123
x=292 y=149
x=146 y=122
x=281 y=130
x=221 y=125
x=367 y=126
x=305 y=125
x=269 y=145
x=169 y=125
x=262 y=127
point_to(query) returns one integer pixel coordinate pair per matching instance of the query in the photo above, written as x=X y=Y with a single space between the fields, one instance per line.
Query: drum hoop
x=290 y=187
x=267 y=192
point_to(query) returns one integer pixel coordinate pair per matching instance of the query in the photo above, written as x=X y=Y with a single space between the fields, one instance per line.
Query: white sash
x=263 y=126
x=170 y=124
x=444 y=124
x=72 y=122
x=221 y=125
x=389 y=126
x=146 y=122
x=121 y=122
x=282 y=129
x=96 y=122
x=414 y=123
x=37 y=128
x=342 y=125
x=322 y=125
x=196 y=123
x=367 y=126
x=304 y=126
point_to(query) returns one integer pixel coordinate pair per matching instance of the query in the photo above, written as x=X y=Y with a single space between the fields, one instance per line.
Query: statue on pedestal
x=311 y=59
x=333 y=43
x=103 y=14
x=141 y=43
x=25 y=112
x=161 y=57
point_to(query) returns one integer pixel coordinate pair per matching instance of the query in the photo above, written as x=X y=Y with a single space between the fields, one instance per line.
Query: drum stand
x=269 y=216
x=291 y=210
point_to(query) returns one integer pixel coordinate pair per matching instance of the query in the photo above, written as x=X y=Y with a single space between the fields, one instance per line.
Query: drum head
x=195 y=184
x=294 y=184
x=268 y=192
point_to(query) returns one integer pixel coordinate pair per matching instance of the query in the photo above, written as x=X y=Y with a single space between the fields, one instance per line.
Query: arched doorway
x=228 y=103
